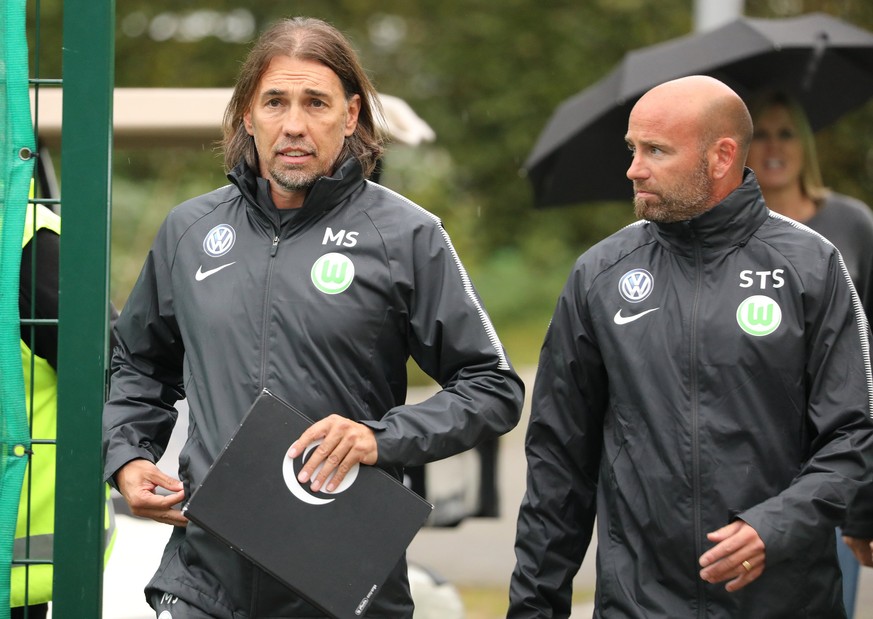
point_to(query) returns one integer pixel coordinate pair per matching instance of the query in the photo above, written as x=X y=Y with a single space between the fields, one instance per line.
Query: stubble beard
x=298 y=178
x=295 y=179
x=680 y=203
x=292 y=180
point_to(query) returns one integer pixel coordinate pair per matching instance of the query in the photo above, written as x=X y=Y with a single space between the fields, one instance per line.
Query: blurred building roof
x=191 y=117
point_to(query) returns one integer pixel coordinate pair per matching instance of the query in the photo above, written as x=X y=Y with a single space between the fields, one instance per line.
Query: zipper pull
x=275 y=246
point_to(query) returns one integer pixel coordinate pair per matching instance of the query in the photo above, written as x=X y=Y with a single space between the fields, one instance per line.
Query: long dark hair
x=309 y=39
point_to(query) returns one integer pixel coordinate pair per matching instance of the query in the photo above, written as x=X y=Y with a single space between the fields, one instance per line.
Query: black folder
x=335 y=550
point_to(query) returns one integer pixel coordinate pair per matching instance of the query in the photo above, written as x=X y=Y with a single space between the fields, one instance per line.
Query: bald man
x=704 y=390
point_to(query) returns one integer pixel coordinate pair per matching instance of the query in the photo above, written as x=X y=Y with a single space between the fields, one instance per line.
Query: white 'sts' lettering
x=346 y=239
x=764 y=278
x=778 y=281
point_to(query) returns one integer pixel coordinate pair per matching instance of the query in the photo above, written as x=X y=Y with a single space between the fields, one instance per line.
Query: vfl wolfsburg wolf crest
x=332 y=273
x=759 y=315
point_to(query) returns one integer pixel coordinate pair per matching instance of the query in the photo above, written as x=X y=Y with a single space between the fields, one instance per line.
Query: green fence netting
x=16 y=168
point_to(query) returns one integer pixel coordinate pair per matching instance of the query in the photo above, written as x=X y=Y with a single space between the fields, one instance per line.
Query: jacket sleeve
x=859 y=522
x=40 y=297
x=563 y=447
x=146 y=380
x=838 y=414
x=452 y=339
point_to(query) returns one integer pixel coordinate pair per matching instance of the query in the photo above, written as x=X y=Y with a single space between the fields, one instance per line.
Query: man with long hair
x=304 y=278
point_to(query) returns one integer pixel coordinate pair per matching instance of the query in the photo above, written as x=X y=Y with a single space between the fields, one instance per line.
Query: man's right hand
x=137 y=481
x=861 y=548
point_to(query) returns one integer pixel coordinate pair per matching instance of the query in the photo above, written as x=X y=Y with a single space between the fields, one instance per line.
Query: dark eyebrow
x=272 y=92
x=649 y=144
x=312 y=92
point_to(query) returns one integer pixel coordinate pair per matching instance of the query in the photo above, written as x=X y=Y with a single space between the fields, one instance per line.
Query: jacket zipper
x=695 y=425
x=265 y=319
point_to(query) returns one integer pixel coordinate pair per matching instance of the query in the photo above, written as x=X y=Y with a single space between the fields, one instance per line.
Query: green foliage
x=146 y=185
x=486 y=76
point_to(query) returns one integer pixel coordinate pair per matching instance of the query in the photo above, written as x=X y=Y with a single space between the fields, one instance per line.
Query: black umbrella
x=826 y=63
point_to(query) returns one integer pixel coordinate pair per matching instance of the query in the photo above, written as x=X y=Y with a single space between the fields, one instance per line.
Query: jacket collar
x=327 y=192
x=730 y=222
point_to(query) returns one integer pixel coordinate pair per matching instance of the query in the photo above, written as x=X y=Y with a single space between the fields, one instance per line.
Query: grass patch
x=482 y=603
x=492 y=603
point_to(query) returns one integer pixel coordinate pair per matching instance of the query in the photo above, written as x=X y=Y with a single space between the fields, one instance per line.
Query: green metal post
x=88 y=78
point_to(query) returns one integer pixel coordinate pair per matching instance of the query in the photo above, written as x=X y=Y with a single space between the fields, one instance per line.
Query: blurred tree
x=486 y=77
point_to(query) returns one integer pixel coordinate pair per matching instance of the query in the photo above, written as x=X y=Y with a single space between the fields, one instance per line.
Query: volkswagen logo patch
x=636 y=285
x=219 y=241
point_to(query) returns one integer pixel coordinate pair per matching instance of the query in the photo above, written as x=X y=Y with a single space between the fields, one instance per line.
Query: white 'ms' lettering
x=347 y=239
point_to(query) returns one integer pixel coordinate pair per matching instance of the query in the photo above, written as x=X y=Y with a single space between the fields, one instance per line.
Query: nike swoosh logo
x=623 y=320
x=200 y=275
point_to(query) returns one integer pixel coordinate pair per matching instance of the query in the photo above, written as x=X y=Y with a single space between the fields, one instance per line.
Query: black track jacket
x=323 y=310
x=695 y=373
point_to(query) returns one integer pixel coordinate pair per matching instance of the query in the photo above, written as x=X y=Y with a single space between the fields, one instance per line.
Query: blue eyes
x=652 y=150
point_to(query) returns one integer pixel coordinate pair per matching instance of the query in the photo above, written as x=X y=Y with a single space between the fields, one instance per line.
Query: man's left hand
x=344 y=444
x=861 y=548
x=737 y=557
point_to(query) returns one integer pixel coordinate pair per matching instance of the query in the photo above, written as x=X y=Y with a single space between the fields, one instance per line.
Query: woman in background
x=784 y=159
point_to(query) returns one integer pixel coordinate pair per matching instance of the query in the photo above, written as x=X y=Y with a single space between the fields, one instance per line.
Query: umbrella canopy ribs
x=823 y=62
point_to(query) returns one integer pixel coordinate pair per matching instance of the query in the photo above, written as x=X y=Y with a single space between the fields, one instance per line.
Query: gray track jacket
x=695 y=373
x=324 y=310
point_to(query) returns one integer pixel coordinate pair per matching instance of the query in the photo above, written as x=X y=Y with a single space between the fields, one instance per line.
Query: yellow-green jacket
x=34 y=533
